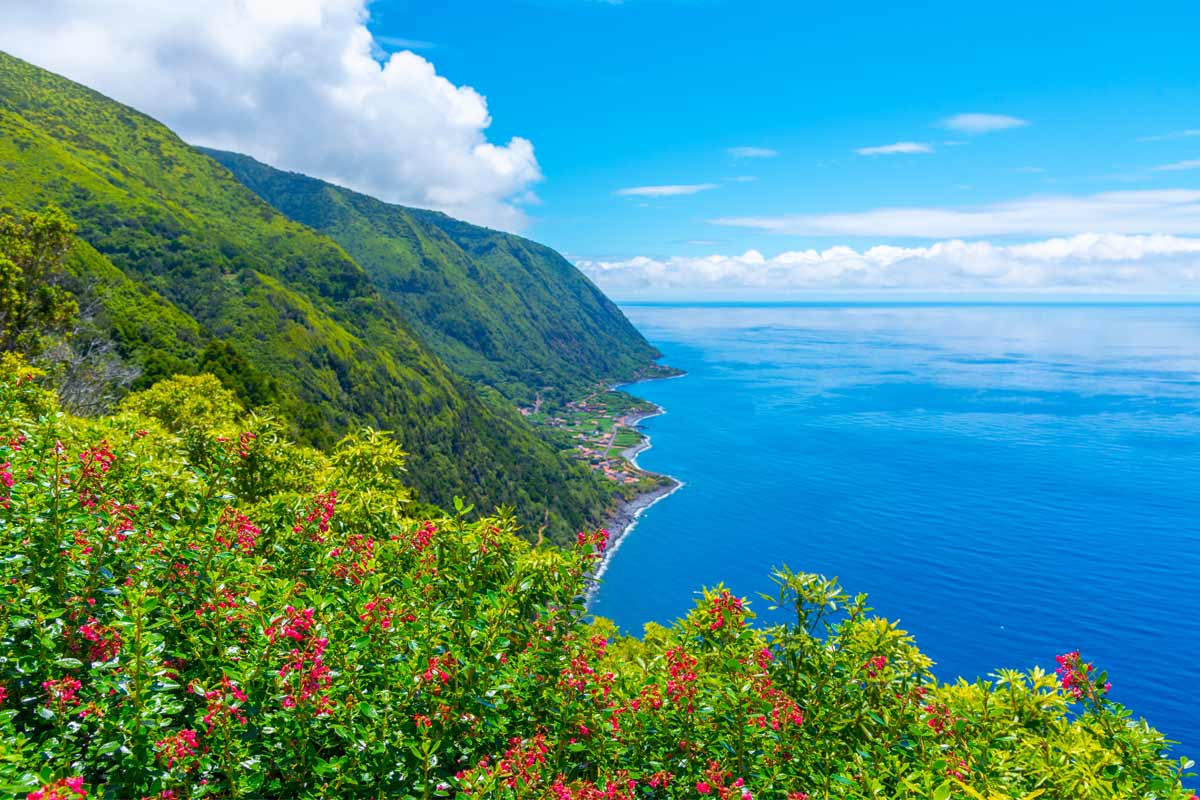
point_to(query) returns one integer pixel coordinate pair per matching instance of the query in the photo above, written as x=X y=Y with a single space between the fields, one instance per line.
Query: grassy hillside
x=192 y=259
x=498 y=308
x=191 y=607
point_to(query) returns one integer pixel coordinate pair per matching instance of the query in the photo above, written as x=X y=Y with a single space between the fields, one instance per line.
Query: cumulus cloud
x=752 y=152
x=1147 y=211
x=982 y=123
x=895 y=149
x=295 y=83
x=666 y=191
x=1083 y=263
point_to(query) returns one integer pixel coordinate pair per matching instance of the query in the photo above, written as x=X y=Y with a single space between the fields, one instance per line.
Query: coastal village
x=601 y=429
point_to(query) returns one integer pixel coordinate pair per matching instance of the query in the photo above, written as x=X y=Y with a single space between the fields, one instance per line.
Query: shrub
x=195 y=607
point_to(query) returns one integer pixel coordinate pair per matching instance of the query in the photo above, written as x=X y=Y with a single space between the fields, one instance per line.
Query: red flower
x=875 y=665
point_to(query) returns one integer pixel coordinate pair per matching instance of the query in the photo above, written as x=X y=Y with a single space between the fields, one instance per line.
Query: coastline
x=625 y=517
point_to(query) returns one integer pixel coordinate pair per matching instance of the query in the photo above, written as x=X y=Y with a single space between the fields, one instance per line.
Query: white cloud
x=294 y=83
x=745 y=179
x=1111 y=263
x=666 y=191
x=1147 y=211
x=982 y=123
x=1178 y=166
x=1167 y=137
x=894 y=149
x=752 y=152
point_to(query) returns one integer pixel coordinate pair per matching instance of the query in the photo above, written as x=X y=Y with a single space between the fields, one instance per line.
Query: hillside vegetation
x=190 y=270
x=499 y=309
x=196 y=608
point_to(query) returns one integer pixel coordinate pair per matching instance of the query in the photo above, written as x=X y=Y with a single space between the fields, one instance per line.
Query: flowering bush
x=194 y=607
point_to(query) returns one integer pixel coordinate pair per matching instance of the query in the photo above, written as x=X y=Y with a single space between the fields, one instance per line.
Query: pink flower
x=235 y=527
x=1076 y=677
x=177 y=747
x=703 y=788
x=59 y=790
x=224 y=703
x=875 y=665
x=61 y=693
x=105 y=641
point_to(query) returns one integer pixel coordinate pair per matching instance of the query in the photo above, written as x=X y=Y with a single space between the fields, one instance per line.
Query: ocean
x=1010 y=482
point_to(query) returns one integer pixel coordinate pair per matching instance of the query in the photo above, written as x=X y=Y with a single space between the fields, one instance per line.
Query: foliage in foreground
x=193 y=607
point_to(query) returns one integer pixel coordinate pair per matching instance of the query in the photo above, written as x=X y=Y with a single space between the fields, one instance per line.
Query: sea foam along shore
x=625 y=518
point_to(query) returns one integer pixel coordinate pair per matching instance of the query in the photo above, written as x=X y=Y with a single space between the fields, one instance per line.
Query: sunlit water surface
x=1009 y=482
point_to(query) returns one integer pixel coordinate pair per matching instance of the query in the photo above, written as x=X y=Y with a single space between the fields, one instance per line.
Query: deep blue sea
x=1009 y=482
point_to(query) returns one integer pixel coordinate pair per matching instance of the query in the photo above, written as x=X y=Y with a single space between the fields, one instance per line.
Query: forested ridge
x=189 y=271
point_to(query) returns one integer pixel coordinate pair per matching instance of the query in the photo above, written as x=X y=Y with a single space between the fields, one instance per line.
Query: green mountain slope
x=184 y=233
x=498 y=308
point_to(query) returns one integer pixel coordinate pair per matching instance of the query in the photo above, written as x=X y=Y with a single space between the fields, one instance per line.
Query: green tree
x=33 y=249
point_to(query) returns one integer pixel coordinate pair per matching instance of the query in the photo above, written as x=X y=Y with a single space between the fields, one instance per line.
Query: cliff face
x=499 y=309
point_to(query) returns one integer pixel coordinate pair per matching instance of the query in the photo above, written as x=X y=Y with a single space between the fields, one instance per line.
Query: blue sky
x=652 y=92
x=711 y=147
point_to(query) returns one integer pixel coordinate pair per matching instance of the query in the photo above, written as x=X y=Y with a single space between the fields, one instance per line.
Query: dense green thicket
x=191 y=606
x=193 y=271
x=498 y=308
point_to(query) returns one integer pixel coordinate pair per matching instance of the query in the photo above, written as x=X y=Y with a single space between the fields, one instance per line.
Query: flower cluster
x=177 y=748
x=305 y=674
x=6 y=483
x=235 y=529
x=61 y=693
x=95 y=462
x=1075 y=676
x=244 y=441
x=725 y=608
x=105 y=641
x=592 y=543
x=316 y=517
x=224 y=704
x=62 y=789
x=353 y=560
